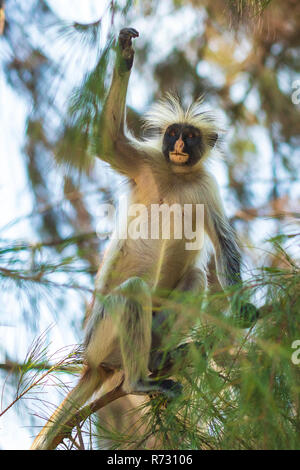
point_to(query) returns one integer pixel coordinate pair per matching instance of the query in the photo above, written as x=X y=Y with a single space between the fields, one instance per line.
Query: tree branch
x=16 y=367
x=85 y=412
x=160 y=365
x=164 y=368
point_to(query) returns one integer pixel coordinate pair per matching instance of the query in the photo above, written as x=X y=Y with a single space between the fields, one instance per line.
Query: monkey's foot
x=169 y=388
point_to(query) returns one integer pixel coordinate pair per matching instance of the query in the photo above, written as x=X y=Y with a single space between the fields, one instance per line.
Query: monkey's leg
x=135 y=330
x=135 y=341
x=119 y=330
x=168 y=324
x=119 y=336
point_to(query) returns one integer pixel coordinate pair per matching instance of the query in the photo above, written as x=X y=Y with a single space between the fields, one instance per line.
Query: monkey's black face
x=183 y=144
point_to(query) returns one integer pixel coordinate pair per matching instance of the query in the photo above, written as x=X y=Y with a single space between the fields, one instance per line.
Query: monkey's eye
x=172 y=133
x=191 y=135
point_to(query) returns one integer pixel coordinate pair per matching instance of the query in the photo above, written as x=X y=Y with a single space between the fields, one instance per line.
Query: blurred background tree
x=56 y=62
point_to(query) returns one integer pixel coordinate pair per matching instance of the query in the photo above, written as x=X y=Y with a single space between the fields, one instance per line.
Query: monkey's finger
x=129 y=32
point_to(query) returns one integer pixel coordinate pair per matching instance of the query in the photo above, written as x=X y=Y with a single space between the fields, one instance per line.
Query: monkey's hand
x=246 y=315
x=125 y=43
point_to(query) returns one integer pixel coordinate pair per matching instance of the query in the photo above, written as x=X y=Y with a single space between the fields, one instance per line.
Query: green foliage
x=241 y=386
x=82 y=123
x=245 y=395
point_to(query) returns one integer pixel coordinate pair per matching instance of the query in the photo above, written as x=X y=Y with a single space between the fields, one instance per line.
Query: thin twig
x=74 y=443
x=16 y=367
x=32 y=386
x=79 y=433
x=39 y=279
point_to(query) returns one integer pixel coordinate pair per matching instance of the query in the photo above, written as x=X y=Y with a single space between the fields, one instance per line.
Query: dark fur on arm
x=228 y=258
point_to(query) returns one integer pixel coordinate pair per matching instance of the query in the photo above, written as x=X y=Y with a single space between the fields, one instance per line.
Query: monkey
x=125 y=324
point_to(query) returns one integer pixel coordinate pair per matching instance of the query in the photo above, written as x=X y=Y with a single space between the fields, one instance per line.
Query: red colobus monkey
x=169 y=168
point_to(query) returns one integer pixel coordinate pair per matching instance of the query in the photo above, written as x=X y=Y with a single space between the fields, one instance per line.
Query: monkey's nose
x=179 y=144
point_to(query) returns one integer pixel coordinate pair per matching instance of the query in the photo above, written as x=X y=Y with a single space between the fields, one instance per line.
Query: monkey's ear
x=212 y=139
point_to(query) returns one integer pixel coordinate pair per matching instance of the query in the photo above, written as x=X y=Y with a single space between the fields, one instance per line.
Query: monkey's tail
x=49 y=437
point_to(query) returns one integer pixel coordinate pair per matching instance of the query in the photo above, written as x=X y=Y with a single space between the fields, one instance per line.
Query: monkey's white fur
x=169 y=110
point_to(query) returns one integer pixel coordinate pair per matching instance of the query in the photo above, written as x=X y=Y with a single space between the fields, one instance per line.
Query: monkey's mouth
x=178 y=157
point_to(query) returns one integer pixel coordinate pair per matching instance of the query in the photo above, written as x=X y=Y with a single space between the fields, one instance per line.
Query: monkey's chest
x=161 y=263
x=158 y=243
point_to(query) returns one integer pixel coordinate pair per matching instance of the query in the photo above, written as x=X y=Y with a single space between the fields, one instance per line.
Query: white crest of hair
x=168 y=110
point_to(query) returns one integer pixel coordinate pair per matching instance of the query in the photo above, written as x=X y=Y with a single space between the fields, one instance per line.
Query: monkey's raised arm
x=227 y=252
x=115 y=147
